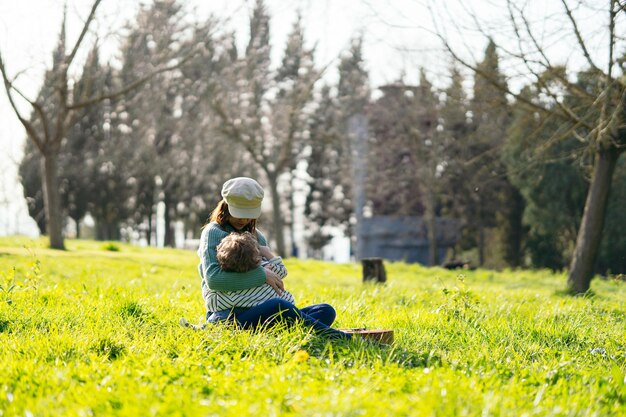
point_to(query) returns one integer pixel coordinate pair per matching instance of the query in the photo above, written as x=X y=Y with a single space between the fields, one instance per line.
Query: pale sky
x=397 y=35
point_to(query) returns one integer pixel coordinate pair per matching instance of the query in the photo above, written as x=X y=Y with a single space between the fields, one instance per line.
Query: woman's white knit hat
x=244 y=197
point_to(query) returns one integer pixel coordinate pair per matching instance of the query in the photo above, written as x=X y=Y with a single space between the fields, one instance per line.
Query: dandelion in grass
x=300 y=356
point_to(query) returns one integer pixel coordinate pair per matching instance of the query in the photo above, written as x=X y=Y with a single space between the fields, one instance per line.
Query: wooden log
x=384 y=336
x=373 y=270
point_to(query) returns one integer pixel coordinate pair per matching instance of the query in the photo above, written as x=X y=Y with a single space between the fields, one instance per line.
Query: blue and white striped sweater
x=223 y=290
x=220 y=300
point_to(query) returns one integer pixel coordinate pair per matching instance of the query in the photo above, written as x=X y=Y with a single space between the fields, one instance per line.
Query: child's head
x=238 y=252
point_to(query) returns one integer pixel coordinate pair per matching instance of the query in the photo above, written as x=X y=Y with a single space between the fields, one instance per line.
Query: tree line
x=185 y=109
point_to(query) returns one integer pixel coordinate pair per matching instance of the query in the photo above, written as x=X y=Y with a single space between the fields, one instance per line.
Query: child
x=240 y=252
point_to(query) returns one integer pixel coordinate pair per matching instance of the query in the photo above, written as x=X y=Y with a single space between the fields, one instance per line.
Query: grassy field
x=93 y=331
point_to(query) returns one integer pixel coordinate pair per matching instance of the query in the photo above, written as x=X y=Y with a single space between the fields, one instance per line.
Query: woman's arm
x=216 y=278
x=274 y=277
x=275 y=265
x=266 y=252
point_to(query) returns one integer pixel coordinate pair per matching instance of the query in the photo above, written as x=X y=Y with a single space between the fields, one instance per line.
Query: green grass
x=93 y=331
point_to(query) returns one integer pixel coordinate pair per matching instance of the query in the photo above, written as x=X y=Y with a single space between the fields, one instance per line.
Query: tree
x=485 y=174
x=611 y=259
x=429 y=147
x=456 y=128
x=328 y=203
x=393 y=187
x=55 y=119
x=598 y=123
x=82 y=145
x=264 y=111
x=332 y=201
x=155 y=111
x=30 y=177
x=353 y=93
x=409 y=156
x=32 y=162
x=552 y=183
x=109 y=164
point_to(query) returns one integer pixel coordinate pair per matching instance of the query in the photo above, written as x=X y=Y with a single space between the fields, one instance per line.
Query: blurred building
x=405 y=238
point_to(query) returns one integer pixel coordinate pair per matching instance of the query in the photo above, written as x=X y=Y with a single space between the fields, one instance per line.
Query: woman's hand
x=274 y=281
x=266 y=252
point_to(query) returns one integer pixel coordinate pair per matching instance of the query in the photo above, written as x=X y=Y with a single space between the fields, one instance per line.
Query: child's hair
x=238 y=252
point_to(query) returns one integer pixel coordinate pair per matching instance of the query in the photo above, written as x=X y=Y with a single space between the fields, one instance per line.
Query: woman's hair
x=238 y=252
x=220 y=215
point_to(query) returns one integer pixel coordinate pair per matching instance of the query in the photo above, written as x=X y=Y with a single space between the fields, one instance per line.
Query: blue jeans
x=276 y=310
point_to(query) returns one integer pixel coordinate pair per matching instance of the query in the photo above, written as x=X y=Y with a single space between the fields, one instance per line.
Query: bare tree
x=54 y=121
x=597 y=120
x=266 y=112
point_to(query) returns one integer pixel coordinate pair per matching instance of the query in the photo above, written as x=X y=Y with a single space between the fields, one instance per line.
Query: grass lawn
x=93 y=331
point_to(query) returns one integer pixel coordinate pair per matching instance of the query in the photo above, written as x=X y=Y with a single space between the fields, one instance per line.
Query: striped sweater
x=223 y=290
x=226 y=300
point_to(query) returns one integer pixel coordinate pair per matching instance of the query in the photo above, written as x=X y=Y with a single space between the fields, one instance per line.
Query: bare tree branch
x=567 y=113
x=83 y=32
x=609 y=77
x=579 y=37
x=30 y=129
x=545 y=63
x=230 y=129
x=38 y=109
x=540 y=50
x=132 y=86
x=298 y=102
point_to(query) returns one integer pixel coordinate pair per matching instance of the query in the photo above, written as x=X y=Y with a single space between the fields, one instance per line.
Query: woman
x=237 y=212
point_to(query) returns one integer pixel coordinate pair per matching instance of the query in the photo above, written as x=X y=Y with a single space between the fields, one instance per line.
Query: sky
x=398 y=41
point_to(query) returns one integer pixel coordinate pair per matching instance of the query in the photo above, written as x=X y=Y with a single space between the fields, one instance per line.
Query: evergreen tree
x=30 y=176
x=393 y=186
x=79 y=151
x=353 y=90
x=153 y=113
x=353 y=93
x=553 y=187
x=494 y=204
x=328 y=203
x=552 y=176
x=455 y=127
x=110 y=165
x=410 y=155
x=331 y=202
x=265 y=111
x=429 y=147
x=208 y=157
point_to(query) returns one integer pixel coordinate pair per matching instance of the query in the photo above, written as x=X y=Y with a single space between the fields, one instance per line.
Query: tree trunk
x=590 y=233
x=481 y=243
x=374 y=270
x=277 y=215
x=511 y=227
x=52 y=200
x=168 y=239
x=431 y=228
x=358 y=133
x=77 y=221
x=293 y=251
x=149 y=232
